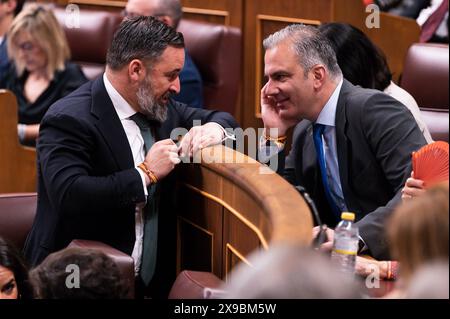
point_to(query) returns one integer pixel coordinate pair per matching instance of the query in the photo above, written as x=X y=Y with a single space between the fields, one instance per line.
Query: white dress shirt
x=328 y=117
x=136 y=141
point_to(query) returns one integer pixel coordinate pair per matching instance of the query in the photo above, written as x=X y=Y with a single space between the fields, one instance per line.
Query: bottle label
x=346 y=247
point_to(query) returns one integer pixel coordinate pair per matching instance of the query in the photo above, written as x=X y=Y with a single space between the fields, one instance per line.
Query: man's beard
x=148 y=103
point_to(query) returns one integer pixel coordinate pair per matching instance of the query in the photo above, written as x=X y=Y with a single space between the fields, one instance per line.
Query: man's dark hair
x=143 y=38
x=99 y=276
x=11 y=259
x=362 y=62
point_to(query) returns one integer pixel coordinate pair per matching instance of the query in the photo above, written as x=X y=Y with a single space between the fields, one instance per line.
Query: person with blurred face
x=8 y=10
x=14 y=282
x=170 y=12
x=351 y=146
x=40 y=74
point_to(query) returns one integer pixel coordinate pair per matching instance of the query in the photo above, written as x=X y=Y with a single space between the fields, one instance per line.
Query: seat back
x=425 y=77
x=437 y=123
x=216 y=51
x=17 y=163
x=90 y=41
x=17 y=213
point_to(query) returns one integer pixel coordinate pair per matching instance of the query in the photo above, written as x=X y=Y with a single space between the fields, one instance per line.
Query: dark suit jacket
x=88 y=186
x=4 y=60
x=191 y=92
x=375 y=137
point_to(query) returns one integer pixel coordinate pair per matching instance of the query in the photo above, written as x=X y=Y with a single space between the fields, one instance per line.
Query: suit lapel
x=110 y=126
x=343 y=147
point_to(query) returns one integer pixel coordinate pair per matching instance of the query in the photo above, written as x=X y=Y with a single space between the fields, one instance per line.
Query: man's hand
x=200 y=137
x=162 y=158
x=328 y=245
x=271 y=115
x=413 y=188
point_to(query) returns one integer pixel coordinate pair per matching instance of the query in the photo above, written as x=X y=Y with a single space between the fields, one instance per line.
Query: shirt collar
x=123 y=109
x=328 y=114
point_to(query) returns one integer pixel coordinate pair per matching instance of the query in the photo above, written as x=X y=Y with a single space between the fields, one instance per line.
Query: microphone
x=322 y=234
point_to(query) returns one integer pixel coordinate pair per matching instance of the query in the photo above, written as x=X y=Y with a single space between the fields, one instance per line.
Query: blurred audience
x=8 y=10
x=14 y=283
x=418 y=232
x=289 y=272
x=75 y=273
x=430 y=282
x=40 y=74
x=170 y=12
x=364 y=64
x=433 y=20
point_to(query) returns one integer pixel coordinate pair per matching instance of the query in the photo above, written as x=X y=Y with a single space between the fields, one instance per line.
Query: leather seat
x=425 y=77
x=216 y=51
x=196 y=285
x=17 y=212
x=90 y=41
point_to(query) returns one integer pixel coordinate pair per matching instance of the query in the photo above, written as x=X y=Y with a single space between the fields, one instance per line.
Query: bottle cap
x=348 y=216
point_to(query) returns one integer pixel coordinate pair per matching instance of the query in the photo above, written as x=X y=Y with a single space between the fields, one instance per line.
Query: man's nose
x=271 y=88
x=175 y=86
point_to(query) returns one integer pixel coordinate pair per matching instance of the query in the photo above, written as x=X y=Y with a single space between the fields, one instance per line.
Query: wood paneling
x=17 y=163
x=227 y=210
x=228 y=12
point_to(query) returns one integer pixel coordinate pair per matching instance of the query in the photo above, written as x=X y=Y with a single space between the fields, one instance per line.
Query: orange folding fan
x=430 y=163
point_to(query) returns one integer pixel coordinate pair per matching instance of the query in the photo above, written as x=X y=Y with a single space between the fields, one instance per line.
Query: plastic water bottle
x=345 y=245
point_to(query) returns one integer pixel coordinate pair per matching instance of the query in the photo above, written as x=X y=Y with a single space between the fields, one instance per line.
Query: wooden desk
x=226 y=210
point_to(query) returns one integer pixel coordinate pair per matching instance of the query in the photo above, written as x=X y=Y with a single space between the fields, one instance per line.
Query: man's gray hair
x=172 y=8
x=309 y=44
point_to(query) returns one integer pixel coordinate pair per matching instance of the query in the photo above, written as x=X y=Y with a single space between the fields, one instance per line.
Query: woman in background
x=40 y=74
x=14 y=282
x=364 y=64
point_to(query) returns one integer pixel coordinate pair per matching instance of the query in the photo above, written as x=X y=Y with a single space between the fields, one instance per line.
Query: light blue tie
x=318 y=130
x=150 y=242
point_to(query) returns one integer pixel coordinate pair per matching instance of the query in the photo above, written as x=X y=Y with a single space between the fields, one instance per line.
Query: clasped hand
x=165 y=154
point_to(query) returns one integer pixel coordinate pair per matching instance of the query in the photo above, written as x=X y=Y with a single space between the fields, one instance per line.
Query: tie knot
x=318 y=129
x=140 y=120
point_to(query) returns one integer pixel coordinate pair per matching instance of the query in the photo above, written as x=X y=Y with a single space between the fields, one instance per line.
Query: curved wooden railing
x=230 y=205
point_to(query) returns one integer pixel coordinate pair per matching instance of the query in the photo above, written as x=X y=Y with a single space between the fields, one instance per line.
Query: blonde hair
x=44 y=28
x=419 y=230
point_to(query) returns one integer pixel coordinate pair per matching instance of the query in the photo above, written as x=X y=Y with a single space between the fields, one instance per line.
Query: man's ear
x=166 y=20
x=136 y=70
x=319 y=73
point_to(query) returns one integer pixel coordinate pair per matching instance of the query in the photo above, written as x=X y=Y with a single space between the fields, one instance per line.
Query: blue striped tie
x=318 y=130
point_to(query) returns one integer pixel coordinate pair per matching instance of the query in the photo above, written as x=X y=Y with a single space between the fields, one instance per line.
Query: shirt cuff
x=144 y=184
x=225 y=134
x=268 y=149
x=362 y=247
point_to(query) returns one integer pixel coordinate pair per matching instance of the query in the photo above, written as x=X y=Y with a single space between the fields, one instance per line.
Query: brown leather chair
x=17 y=212
x=216 y=51
x=425 y=77
x=90 y=42
x=196 y=285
